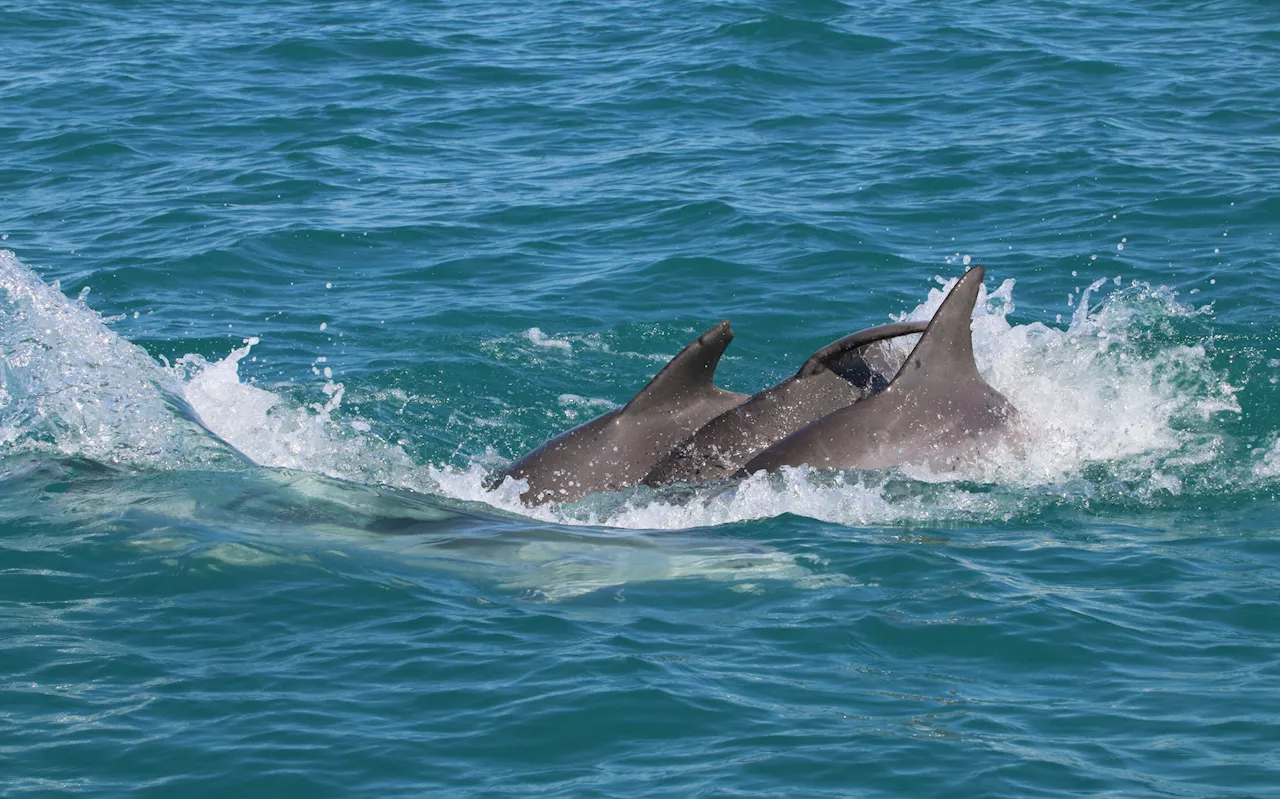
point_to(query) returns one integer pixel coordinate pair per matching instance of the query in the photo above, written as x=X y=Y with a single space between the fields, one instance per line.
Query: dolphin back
x=937 y=411
x=838 y=375
x=615 y=450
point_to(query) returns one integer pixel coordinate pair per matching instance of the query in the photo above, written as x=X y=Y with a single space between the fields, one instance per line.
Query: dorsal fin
x=945 y=351
x=692 y=372
x=821 y=359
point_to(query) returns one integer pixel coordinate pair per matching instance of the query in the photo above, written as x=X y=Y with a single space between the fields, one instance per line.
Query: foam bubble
x=1268 y=467
x=536 y=336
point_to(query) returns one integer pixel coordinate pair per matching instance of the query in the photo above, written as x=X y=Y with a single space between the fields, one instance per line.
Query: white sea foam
x=272 y=432
x=534 y=343
x=1089 y=394
x=585 y=407
x=870 y=500
x=536 y=336
x=1268 y=467
x=72 y=387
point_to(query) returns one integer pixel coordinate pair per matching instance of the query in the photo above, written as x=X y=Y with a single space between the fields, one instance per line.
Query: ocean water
x=281 y=283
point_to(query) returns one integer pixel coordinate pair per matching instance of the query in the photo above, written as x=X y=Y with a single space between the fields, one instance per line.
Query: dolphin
x=937 y=411
x=617 y=449
x=835 y=376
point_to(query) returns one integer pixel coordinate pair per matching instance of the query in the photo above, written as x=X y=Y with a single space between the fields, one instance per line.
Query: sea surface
x=281 y=283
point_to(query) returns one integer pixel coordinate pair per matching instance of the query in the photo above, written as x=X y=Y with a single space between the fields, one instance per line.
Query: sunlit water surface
x=284 y=283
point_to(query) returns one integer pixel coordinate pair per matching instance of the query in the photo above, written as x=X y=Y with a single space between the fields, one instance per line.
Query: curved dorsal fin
x=945 y=352
x=691 y=373
x=821 y=359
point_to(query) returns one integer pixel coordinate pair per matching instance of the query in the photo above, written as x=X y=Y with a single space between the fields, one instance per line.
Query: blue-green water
x=380 y=248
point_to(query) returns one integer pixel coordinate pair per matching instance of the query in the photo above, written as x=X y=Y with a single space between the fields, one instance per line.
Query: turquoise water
x=282 y=284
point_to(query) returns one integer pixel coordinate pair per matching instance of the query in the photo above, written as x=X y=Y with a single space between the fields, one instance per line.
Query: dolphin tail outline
x=824 y=358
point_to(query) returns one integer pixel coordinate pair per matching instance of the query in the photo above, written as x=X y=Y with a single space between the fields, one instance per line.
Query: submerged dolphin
x=937 y=411
x=838 y=375
x=617 y=449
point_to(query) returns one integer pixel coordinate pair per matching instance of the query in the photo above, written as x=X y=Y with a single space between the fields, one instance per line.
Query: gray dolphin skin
x=937 y=411
x=619 y=448
x=838 y=375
